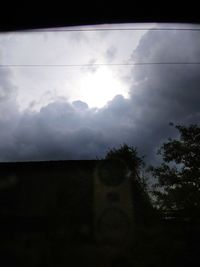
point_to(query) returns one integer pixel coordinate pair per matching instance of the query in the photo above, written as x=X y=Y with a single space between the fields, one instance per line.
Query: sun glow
x=100 y=86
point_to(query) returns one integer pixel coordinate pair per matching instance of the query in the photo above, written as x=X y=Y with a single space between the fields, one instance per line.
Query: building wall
x=65 y=195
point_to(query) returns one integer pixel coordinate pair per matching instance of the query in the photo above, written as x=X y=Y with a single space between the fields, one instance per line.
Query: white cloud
x=55 y=48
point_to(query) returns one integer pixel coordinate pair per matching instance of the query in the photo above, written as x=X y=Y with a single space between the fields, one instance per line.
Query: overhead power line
x=111 y=29
x=95 y=65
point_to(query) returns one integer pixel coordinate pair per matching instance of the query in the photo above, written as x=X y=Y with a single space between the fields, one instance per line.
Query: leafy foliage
x=129 y=155
x=178 y=186
x=141 y=199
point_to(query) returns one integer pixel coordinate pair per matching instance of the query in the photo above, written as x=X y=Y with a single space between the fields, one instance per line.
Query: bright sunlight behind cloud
x=100 y=86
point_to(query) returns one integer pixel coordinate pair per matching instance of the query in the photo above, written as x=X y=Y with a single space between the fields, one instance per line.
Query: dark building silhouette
x=74 y=208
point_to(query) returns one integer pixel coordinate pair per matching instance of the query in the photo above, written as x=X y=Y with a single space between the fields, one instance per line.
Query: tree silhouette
x=129 y=155
x=135 y=164
x=177 y=189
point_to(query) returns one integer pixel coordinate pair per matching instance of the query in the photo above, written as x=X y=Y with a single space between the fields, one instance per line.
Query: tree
x=135 y=164
x=129 y=155
x=177 y=189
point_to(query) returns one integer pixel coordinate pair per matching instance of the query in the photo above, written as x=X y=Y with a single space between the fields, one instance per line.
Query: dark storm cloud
x=9 y=114
x=70 y=131
x=67 y=131
x=159 y=94
x=59 y=131
x=164 y=93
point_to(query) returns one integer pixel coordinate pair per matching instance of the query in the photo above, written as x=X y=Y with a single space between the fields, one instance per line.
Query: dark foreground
x=69 y=214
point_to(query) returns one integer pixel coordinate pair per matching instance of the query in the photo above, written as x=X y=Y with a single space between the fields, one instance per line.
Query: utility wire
x=110 y=29
x=95 y=65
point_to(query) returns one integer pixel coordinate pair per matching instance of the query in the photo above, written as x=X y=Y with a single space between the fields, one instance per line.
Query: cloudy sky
x=73 y=93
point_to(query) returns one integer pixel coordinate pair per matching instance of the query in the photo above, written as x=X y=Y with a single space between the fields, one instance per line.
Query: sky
x=74 y=93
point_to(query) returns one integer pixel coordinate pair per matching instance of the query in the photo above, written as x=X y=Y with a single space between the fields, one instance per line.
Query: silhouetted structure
x=78 y=213
x=67 y=205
